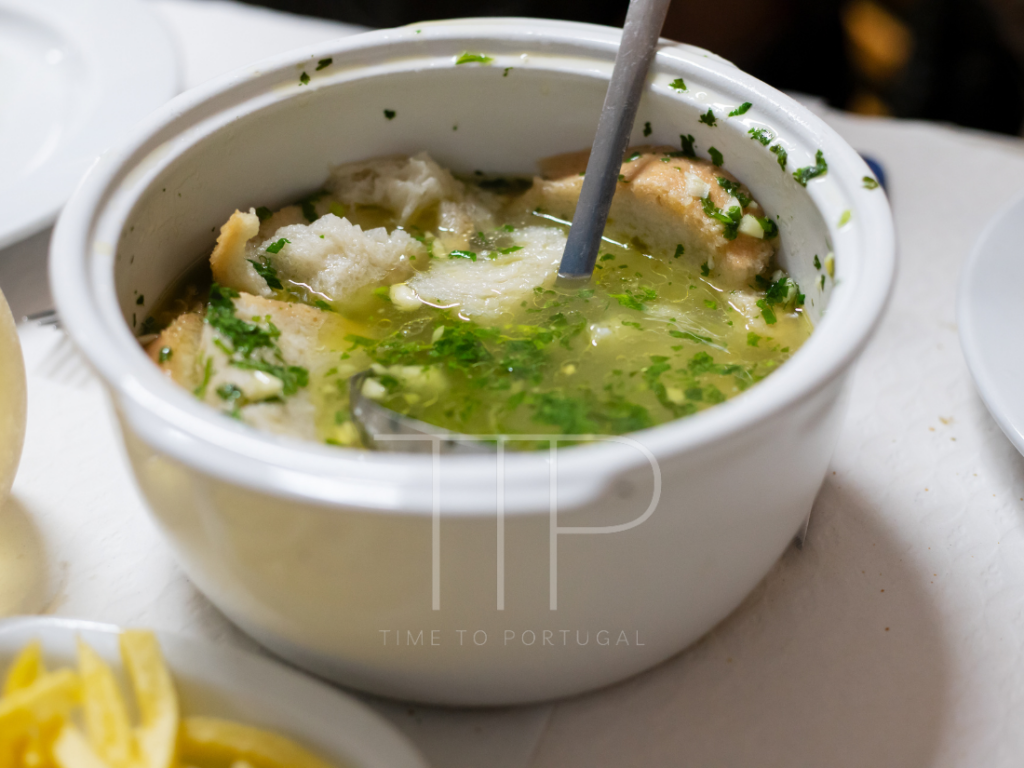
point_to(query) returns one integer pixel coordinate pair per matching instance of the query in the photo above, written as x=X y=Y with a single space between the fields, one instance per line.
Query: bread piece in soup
x=408 y=187
x=200 y=362
x=177 y=349
x=491 y=287
x=659 y=201
x=331 y=256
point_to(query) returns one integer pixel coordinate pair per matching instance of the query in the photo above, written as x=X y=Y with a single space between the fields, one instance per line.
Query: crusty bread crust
x=183 y=338
x=655 y=203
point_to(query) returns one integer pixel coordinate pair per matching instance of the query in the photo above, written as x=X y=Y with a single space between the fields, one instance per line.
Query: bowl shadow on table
x=26 y=585
x=837 y=659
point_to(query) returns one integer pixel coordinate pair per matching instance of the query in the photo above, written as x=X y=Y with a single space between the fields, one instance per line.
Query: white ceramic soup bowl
x=413 y=577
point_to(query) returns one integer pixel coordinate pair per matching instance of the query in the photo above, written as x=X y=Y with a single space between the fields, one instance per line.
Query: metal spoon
x=386 y=430
x=644 y=21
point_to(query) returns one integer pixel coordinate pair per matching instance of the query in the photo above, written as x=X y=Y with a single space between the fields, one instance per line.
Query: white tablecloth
x=895 y=638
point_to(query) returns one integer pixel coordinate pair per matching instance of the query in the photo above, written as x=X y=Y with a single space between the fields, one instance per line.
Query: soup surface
x=443 y=291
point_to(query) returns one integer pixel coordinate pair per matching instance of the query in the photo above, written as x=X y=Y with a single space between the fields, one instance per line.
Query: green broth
x=648 y=341
x=652 y=338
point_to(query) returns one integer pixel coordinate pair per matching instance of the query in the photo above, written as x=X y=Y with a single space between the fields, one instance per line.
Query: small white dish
x=74 y=78
x=222 y=682
x=989 y=307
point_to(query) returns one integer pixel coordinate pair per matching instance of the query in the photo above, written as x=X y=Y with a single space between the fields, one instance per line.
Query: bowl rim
x=176 y=425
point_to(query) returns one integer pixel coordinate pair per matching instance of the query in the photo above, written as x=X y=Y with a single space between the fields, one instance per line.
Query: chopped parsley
x=704 y=269
x=741 y=109
x=244 y=337
x=507 y=70
x=471 y=255
x=277 y=245
x=266 y=270
x=734 y=188
x=634 y=156
x=769 y=227
x=710 y=304
x=635 y=299
x=781 y=155
x=805 y=174
x=845 y=218
x=679 y=251
x=200 y=391
x=570 y=415
x=473 y=58
x=293 y=377
x=708 y=118
x=166 y=353
x=263 y=213
x=229 y=392
x=730 y=218
x=817 y=262
x=304 y=79
x=766 y=312
x=390 y=114
x=783 y=292
x=716 y=157
x=647 y=129
x=761 y=135
x=324 y=63
x=141 y=300
x=308 y=205
x=869 y=183
x=323 y=305
x=678 y=84
x=752 y=339
x=687 y=143
x=692 y=337
x=246 y=340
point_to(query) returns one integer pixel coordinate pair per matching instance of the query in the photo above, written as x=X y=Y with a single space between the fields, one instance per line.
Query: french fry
x=26 y=668
x=206 y=740
x=51 y=696
x=38 y=750
x=157 y=734
x=37 y=727
x=72 y=750
x=106 y=716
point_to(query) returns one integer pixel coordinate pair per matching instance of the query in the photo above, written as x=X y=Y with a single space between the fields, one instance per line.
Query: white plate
x=75 y=75
x=990 y=312
x=221 y=682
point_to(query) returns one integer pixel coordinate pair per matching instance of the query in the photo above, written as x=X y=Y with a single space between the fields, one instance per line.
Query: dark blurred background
x=958 y=61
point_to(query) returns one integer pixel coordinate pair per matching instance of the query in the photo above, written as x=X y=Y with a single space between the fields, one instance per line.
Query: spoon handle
x=644 y=21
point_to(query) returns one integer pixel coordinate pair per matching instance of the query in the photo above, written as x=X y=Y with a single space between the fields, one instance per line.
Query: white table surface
x=895 y=638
